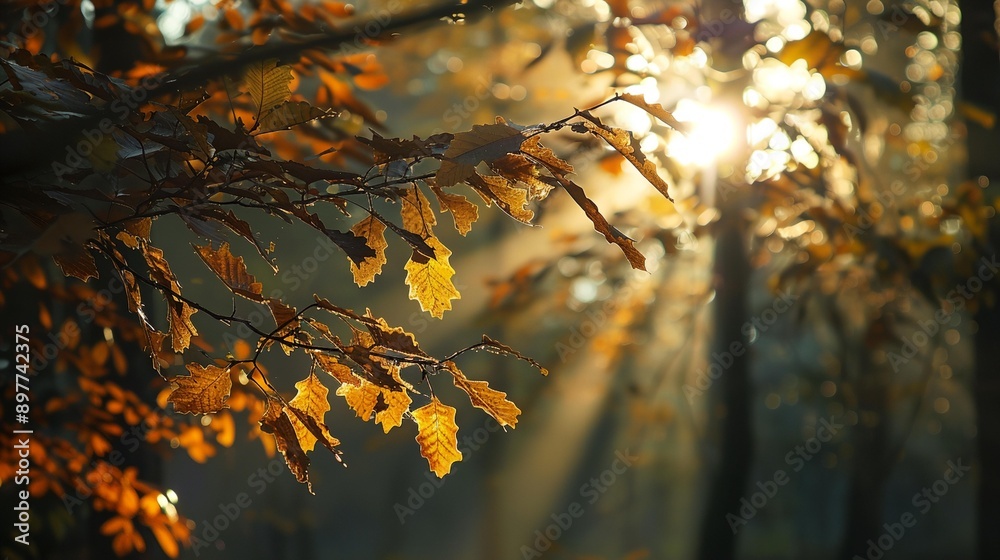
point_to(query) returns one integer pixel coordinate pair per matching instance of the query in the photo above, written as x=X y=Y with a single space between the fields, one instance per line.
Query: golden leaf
x=512 y=200
x=635 y=258
x=231 y=270
x=396 y=403
x=311 y=400
x=267 y=84
x=517 y=168
x=416 y=212
x=430 y=280
x=464 y=212
x=362 y=398
x=276 y=422
x=337 y=370
x=533 y=147
x=494 y=402
x=204 y=391
x=621 y=140
x=373 y=232
x=483 y=143
x=437 y=435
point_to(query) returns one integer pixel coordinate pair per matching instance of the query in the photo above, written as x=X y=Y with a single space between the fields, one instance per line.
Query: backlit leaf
x=204 y=391
x=464 y=212
x=267 y=84
x=494 y=402
x=621 y=140
x=512 y=200
x=396 y=403
x=635 y=258
x=311 y=400
x=290 y=114
x=430 y=280
x=179 y=312
x=362 y=398
x=485 y=142
x=373 y=232
x=437 y=435
x=276 y=422
x=231 y=270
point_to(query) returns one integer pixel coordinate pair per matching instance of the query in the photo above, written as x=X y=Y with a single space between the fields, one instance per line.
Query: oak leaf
x=231 y=270
x=494 y=402
x=635 y=258
x=290 y=114
x=622 y=141
x=464 y=212
x=267 y=84
x=179 y=312
x=311 y=400
x=362 y=398
x=512 y=200
x=203 y=392
x=430 y=280
x=337 y=370
x=654 y=109
x=276 y=422
x=416 y=212
x=373 y=232
x=394 y=405
x=437 y=435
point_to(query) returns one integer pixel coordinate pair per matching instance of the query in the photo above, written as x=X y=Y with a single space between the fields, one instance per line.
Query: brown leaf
x=311 y=400
x=231 y=270
x=437 y=435
x=533 y=147
x=373 y=232
x=179 y=312
x=483 y=143
x=430 y=280
x=464 y=212
x=517 y=168
x=290 y=114
x=337 y=370
x=277 y=423
x=654 y=109
x=494 y=402
x=203 y=392
x=621 y=140
x=635 y=258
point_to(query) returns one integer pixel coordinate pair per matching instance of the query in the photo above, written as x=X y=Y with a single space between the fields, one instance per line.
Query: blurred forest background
x=805 y=369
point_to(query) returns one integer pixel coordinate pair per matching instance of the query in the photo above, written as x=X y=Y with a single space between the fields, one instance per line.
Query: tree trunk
x=730 y=415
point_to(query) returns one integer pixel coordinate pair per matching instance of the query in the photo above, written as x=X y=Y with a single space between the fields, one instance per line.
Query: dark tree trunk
x=730 y=414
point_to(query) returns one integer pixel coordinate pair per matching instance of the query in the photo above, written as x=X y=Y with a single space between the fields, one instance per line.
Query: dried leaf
x=203 y=392
x=533 y=147
x=337 y=370
x=483 y=143
x=311 y=400
x=464 y=212
x=621 y=140
x=179 y=312
x=437 y=435
x=654 y=109
x=290 y=114
x=494 y=402
x=396 y=403
x=512 y=200
x=635 y=258
x=373 y=232
x=430 y=280
x=416 y=212
x=267 y=84
x=277 y=423
x=231 y=270
x=517 y=168
x=362 y=398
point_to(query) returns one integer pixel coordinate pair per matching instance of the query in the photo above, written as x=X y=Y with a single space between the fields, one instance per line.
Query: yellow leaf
x=464 y=212
x=310 y=399
x=396 y=403
x=373 y=232
x=512 y=200
x=654 y=109
x=276 y=422
x=430 y=279
x=179 y=312
x=204 y=391
x=494 y=402
x=437 y=435
x=231 y=270
x=416 y=212
x=337 y=370
x=362 y=398
x=267 y=84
